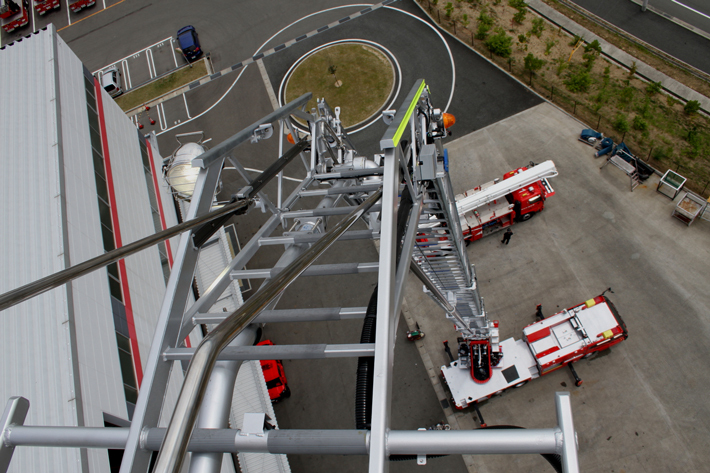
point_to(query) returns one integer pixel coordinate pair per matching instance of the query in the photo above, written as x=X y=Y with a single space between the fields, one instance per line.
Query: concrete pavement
x=642 y=406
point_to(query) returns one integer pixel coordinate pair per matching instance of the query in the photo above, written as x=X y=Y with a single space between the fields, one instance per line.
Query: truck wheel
x=520 y=385
x=527 y=216
x=286 y=392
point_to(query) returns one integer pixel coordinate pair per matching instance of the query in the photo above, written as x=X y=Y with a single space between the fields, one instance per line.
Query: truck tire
x=527 y=216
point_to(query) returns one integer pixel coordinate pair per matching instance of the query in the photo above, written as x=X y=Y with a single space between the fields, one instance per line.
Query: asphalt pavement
x=656 y=26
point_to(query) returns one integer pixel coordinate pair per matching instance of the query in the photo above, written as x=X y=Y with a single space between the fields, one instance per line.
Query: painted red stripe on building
x=535 y=336
x=117 y=237
x=160 y=201
x=162 y=215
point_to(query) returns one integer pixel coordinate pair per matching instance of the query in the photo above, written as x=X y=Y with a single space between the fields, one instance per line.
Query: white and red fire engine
x=79 y=5
x=485 y=368
x=45 y=6
x=13 y=14
x=498 y=204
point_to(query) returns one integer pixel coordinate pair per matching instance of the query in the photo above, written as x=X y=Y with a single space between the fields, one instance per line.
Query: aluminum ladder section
x=359 y=189
x=439 y=249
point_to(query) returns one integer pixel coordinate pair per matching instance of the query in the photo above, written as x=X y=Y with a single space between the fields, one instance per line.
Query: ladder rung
x=315 y=270
x=280 y=352
x=290 y=315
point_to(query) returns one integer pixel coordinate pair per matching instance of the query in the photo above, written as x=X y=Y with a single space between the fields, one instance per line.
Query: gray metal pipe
x=172 y=453
x=302 y=442
x=47 y=283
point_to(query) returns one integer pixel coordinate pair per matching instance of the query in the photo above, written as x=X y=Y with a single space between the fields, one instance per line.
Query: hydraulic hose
x=363 y=388
x=365 y=380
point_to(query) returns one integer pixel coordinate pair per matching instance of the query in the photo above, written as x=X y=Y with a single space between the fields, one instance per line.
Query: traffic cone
x=147 y=108
x=140 y=126
x=152 y=122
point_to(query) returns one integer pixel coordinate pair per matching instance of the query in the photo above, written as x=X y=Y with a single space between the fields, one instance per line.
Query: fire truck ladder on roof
x=413 y=165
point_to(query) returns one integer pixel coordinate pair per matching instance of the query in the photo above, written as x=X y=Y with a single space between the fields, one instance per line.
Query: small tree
x=654 y=87
x=538 y=26
x=639 y=124
x=519 y=16
x=579 y=82
x=533 y=64
x=620 y=124
x=485 y=23
x=691 y=107
x=500 y=44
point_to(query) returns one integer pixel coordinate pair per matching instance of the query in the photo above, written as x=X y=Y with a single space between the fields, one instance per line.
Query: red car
x=275 y=377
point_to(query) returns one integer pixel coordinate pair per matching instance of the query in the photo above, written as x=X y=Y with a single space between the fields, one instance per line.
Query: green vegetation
x=538 y=26
x=161 y=86
x=533 y=64
x=485 y=23
x=500 y=44
x=620 y=123
x=366 y=75
x=691 y=107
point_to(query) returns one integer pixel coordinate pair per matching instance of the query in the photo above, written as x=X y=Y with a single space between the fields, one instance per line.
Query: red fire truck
x=45 y=6
x=548 y=345
x=498 y=204
x=79 y=5
x=13 y=14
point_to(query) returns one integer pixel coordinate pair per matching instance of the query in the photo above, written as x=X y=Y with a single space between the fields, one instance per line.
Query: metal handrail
x=47 y=283
x=182 y=422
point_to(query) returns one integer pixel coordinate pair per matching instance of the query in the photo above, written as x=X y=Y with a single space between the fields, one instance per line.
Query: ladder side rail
x=177 y=437
x=155 y=380
x=219 y=285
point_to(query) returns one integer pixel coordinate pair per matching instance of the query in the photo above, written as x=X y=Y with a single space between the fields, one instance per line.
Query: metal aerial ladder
x=418 y=232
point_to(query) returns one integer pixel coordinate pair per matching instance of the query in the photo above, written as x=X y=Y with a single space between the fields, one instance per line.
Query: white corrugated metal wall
x=34 y=335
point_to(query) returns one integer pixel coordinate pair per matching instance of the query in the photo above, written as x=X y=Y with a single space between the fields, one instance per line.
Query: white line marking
x=691 y=9
x=151 y=63
x=352 y=40
x=172 y=48
x=127 y=73
x=453 y=81
x=186 y=109
x=164 y=121
x=169 y=38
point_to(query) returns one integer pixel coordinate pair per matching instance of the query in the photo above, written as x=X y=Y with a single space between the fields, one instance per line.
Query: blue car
x=189 y=43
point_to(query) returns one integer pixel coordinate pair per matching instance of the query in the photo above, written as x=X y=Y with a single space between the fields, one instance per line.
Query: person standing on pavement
x=506 y=236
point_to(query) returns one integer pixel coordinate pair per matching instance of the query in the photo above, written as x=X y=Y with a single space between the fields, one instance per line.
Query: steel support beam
x=291 y=315
x=278 y=352
x=314 y=270
x=293 y=239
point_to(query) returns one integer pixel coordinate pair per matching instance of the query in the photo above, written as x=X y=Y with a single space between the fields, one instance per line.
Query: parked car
x=275 y=377
x=189 y=43
x=111 y=81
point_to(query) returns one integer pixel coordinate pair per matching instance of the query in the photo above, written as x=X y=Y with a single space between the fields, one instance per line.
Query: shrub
x=620 y=124
x=485 y=23
x=639 y=123
x=549 y=44
x=518 y=4
x=654 y=87
x=575 y=40
x=633 y=69
x=691 y=107
x=464 y=20
x=522 y=38
x=533 y=63
x=519 y=16
x=562 y=65
x=449 y=9
x=579 y=82
x=500 y=44
x=626 y=95
x=593 y=47
x=538 y=26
